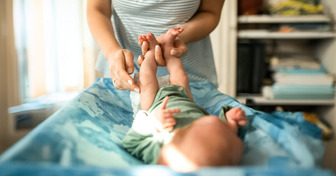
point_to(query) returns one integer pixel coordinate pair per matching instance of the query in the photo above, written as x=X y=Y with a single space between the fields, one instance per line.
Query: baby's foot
x=171 y=35
x=236 y=117
x=151 y=40
x=174 y=31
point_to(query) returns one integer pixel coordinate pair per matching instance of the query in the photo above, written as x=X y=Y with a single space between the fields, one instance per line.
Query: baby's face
x=207 y=141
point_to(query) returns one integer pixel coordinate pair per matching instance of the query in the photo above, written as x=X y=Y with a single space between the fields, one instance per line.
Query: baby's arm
x=166 y=116
x=235 y=117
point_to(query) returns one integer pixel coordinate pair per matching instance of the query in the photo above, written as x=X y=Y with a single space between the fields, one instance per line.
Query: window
x=56 y=53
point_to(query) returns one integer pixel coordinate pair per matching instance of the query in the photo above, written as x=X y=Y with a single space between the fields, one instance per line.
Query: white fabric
x=146 y=124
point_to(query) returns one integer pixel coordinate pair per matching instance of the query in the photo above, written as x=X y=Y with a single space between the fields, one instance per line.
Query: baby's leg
x=147 y=77
x=235 y=117
x=175 y=67
x=178 y=76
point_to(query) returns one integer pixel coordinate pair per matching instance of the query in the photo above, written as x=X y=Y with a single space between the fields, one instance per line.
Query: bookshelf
x=269 y=37
x=261 y=28
x=233 y=28
x=278 y=19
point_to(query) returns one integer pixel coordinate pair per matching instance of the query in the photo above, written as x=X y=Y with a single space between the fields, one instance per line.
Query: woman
x=118 y=38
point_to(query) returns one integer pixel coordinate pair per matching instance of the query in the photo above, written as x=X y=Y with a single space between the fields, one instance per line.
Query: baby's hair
x=217 y=157
x=207 y=142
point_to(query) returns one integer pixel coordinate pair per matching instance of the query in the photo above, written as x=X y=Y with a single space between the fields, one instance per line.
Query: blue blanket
x=86 y=136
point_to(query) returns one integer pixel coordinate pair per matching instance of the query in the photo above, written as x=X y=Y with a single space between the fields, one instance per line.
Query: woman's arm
x=99 y=19
x=201 y=25
x=120 y=60
x=204 y=22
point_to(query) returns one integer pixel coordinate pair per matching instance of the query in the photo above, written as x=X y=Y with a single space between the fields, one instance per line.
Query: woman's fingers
x=180 y=48
x=141 y=58
x=121 y=66
x=124 y=81
x=129 y=63
x=158 y=56
x=144 y=47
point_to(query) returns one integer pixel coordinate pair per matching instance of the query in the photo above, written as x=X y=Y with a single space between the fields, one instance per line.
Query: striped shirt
x=131 y=18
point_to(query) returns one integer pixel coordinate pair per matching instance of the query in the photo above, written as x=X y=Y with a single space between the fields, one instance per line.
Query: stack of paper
x=301 y=79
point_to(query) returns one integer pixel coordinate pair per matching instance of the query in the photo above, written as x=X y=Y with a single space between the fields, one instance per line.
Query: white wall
x=327 y=51
x=224 y=48
x=327 y=54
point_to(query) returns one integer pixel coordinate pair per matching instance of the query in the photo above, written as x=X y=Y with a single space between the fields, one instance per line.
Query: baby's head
x=207 y=141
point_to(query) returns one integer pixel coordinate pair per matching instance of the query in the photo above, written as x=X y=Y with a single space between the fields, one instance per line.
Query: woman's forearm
x=99 y=20
x=204 y=21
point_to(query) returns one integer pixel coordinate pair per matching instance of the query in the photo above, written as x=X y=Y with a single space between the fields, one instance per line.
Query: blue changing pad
x=85 y=136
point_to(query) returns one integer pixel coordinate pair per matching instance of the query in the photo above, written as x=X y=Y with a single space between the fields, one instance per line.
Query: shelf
x=283 y=19
x=264 y=34
x=259 y=100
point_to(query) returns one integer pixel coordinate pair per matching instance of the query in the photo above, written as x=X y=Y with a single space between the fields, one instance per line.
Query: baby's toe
x=151 y=40
x=140 y=60
x=175 y=31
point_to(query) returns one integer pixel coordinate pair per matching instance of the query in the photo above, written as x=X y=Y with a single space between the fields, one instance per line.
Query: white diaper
x=135 y=97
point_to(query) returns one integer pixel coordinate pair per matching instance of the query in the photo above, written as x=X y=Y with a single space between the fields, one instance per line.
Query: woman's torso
x=132 y=18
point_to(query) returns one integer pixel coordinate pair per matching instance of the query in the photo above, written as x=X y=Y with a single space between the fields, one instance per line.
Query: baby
x=171 y=129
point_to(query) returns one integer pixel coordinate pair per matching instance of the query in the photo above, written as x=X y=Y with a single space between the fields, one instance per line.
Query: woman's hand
x=158 y=53
x=179 y=50
x=120 y=60
x=121 y=66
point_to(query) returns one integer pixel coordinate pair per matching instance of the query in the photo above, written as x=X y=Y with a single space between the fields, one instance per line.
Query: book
x=303 y=92
x=303 y=79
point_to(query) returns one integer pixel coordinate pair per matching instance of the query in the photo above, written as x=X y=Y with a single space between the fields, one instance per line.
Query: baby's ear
x=161 y=159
